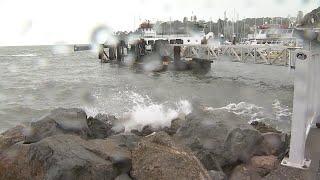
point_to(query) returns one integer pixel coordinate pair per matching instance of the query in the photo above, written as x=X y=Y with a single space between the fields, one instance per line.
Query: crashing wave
x=145 y=112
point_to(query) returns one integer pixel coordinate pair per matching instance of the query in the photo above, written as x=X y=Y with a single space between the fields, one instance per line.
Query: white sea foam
x=144 y=111
x=155 y=115
x=281 y=111
x=18 y=55
x=254 y=112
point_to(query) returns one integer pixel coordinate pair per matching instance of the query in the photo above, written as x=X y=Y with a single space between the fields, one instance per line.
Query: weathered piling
x=177 y=53
x=103 y=55
x=112 y=53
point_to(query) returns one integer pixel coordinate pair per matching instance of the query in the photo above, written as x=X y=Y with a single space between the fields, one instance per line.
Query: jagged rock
x=103 y=125
x=218 y=138
x=157 y=156
x=59 y=121
x=217 y=175
x=65 y=157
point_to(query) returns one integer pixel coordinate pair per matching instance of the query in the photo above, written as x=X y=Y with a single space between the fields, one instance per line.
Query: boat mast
x=170 y=27
x=210 y=24
x=218 y=26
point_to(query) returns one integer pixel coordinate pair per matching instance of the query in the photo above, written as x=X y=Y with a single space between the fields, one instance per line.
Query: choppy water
x=34 y=80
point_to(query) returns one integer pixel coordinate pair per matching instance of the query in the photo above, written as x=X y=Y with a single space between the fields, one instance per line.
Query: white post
x=306 y=106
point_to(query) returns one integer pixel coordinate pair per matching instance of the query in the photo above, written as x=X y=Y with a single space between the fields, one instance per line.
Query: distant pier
x=260 y=54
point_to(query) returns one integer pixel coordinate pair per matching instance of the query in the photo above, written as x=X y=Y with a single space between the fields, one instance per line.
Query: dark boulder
x=65 y=157
x=103 y=125
x=264 y=128
x=72 y=121
x=175 y=125
x=129 y=141
x=274 y=144
x=58 y=121
x=157 y=156
x=218 y=138
x=148 y=129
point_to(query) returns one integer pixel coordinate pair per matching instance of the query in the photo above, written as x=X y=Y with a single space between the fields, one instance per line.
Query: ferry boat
x=149 y=35
x=272 y=34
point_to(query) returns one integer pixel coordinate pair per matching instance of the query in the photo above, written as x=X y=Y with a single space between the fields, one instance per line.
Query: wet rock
x=264 y=128
x=146 y=130
x=264 y=164
x=175 y=125
x=243 y=172
x=286 y=173
x=12 y=136
x=129 y=141
x=103 y=125
x=257 y=168
x=217 y=175
x=59 y=121
x=158 y=156
x=65 y=157
x=273 y=144
x=242 y=143
x=218 y=138
x=14 y=164
x=123 y=177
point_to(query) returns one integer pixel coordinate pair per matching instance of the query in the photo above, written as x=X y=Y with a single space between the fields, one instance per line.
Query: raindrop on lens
x=102 y=35
x=61 y=48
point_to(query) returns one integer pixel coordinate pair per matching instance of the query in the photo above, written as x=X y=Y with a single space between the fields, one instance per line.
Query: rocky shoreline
x=66 y=144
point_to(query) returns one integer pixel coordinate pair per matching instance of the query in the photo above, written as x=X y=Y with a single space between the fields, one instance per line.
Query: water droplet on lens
x=62 y=48
x=13 y=68
x=102 y=34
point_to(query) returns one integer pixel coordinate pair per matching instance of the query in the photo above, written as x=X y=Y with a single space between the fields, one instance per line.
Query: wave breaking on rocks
x=184 y=144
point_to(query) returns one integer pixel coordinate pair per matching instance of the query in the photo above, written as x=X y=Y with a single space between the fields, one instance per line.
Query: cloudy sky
x=31 y=22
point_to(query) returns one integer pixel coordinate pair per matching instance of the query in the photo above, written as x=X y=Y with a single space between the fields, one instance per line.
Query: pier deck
x=262 y=54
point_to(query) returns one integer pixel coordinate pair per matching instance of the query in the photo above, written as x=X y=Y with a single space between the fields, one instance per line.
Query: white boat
x=272 y=35
x=147 y=33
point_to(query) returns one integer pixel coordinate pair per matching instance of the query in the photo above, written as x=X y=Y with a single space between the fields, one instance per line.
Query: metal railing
x=306 y=106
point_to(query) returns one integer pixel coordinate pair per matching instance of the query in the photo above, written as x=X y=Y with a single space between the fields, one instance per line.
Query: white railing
x=306 y=106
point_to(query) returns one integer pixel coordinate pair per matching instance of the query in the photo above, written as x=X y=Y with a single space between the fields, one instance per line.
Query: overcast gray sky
x=30 y=22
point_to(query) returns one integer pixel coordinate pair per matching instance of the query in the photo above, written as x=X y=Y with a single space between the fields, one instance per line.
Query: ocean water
x=36 y=79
